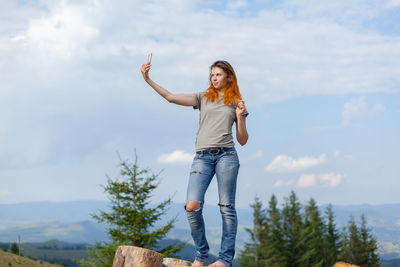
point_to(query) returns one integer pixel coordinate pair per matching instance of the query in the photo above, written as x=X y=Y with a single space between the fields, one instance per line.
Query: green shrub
x=14 y=248
x=32 y=258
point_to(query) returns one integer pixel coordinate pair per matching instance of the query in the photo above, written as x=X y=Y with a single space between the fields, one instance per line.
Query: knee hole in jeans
x=225 y=205
x=192 y=206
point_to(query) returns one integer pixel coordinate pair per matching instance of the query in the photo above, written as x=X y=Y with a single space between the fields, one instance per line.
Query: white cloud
x=392 y=3
x=377 y=109
x=70 y=82
x=341 y=60
x=354 y=109
x=313 y=180
x=307 y=180
x=279 y=183
x=336 y=154
x=330 y=179
x=283 y=163
x=19 y=38
x=237 y=4
x=66 y=32
x=176 y=157
x=357 y=109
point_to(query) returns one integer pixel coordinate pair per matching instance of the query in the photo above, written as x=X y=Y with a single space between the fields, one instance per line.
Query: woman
x=220 y=106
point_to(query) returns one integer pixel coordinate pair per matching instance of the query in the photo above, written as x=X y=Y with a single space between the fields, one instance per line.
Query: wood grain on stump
x=130 y=256
x=169 y=262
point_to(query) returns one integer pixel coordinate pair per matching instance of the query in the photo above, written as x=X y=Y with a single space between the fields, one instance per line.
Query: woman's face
x=218 y=77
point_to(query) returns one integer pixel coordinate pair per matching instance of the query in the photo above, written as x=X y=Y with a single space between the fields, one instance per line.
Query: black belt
x=214 y=150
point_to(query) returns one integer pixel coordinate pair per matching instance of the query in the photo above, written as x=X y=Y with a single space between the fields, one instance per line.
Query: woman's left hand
x=240 y=108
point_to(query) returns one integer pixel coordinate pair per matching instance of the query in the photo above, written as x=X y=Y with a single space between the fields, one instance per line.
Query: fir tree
x=247 y=256
x=312 y=237
x=344 y=249
x=275 y=247
x=331 y=238
x=354 y=242
x=297 y=237
x=350 y=249
x=14 y=248
x=358 y=245
x=253 y=254
x=131 y=221
x=369 y=247
x=292 y=225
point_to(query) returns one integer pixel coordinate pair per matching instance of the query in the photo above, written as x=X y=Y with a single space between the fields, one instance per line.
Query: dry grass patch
x=10 y=259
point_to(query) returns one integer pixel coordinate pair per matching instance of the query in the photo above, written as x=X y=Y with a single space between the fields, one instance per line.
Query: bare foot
x=217 y=264
x=197 y=263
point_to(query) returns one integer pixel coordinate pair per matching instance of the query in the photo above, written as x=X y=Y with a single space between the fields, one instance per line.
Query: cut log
x=130 y=256
x=169 y=262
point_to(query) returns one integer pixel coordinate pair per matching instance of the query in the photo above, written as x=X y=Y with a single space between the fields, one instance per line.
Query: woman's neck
x=221 y=91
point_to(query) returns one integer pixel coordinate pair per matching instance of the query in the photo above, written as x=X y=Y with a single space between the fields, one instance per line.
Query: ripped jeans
x=223 y=162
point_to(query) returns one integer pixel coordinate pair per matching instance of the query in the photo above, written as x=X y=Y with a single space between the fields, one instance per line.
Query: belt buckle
x=212 y=150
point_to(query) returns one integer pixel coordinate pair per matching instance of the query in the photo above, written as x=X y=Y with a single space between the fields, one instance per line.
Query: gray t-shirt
x=216 y=120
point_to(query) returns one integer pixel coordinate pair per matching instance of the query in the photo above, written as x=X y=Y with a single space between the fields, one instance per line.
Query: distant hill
x=75 y=211
x=69 y=211
x=71 y=222
x=74 y=232
x=391 y=263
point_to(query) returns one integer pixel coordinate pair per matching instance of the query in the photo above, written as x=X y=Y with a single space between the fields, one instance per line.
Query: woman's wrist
x=241 y=117
x=149 y=81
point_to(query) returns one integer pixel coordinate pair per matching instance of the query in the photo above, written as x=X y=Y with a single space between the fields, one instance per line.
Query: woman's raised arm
x=179 y=99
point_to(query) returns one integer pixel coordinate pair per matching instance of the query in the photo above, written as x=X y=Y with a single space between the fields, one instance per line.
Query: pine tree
x=14 y=248
x=331 y=238
x=297 y=237
x=131 y=221
x=292 y=225
x=344 y=249
x=355 y=242
x=358 y=246
x=275 y=246
x=253 y=254
x=369 y=247
x=312 y=237
x=351 y=246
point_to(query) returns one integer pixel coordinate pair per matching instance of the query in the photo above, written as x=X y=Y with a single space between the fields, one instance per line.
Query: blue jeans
x=225 y=164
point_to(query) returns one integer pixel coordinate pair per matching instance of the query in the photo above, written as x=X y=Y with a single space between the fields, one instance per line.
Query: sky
x=320 y=79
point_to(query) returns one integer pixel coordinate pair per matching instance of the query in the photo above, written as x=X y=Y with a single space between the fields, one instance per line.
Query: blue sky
x=321 y=80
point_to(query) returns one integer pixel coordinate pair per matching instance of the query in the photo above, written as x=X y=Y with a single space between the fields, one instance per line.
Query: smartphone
x=149 y=58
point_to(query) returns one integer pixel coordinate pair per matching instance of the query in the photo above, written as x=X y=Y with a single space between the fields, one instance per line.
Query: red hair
x=232 y=94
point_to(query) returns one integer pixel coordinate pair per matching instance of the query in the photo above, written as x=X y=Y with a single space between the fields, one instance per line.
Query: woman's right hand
x=179 y=99
x=145 y=71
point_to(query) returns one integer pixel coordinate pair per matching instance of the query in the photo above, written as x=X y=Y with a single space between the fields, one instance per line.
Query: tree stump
x=169 y=262
x=130 y=256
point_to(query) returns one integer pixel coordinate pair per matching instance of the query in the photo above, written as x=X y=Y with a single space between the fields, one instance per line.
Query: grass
x=10 y=259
